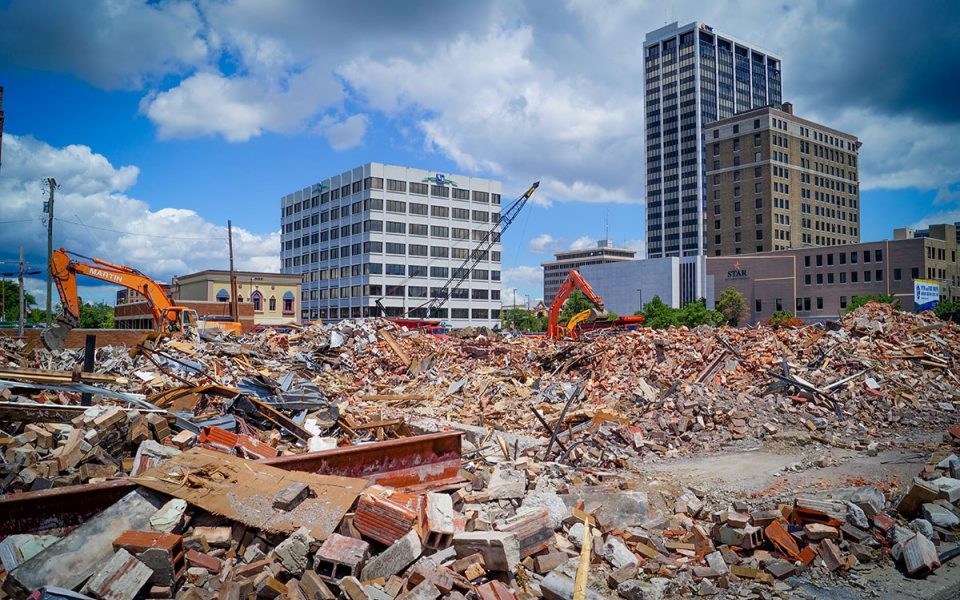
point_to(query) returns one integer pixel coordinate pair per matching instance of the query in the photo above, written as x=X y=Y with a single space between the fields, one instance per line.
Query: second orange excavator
x=575 y=281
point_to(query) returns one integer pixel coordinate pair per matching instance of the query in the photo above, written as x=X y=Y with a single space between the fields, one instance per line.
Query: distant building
x=128 y=296
x=626 y=286
x=818 y=283
x=776 y=181
x=394 y=235
x=275 y=297
x=694 y=75
x=555 y=271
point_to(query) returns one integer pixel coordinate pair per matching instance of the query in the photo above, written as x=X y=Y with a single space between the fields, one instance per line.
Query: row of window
x=827 y=259
x=854 y=277
x=399 y=291
x=393 y=206
x=356 y=312
x=393 y=185
x=415 y=229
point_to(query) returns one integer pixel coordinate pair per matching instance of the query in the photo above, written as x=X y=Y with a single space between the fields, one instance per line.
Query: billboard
x=926 y=294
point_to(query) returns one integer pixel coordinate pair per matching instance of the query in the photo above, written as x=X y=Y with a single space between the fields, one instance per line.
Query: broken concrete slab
x=394 y=559
x=500 y=549
x=74 y=558
x=121 y=578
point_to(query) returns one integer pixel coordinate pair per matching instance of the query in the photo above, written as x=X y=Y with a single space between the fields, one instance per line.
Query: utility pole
x=20 y=320
x=52 y=185
x=234 y=306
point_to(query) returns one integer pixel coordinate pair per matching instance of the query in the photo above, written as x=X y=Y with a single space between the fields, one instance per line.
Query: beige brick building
x=776 y=181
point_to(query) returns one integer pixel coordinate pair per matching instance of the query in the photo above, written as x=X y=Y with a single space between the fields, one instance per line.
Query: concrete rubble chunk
x=949 y=488
x=553 y=503
x=506 y=483
x=636 y=589
x=617 y=554
x=293 y=552
x=500 y=550
x=76 y=556
x=856 y=516
x=169 y=517
x=425 y=590
x=557 y=586
x=869 y=499
x=121 y=578
x=394 y=559
x=940 y=516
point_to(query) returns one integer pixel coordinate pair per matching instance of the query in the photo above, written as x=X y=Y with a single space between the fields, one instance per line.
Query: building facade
x=394 y=235
x=777 y=181
x=694 y=75
x=818 y=283
x=626 y=286
x=275 y=297
x=555 y=271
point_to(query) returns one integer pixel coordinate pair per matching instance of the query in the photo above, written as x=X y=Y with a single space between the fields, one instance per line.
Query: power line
x=166 y=237
x=16 y=221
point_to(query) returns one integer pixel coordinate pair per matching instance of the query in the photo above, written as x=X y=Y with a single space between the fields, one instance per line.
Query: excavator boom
x=574 y=281
x=167 y=317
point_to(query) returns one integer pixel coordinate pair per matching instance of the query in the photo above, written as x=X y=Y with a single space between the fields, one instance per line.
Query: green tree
x=96 y=316
x=781 y=317
x=946 y=308
x=523 y=320
x=10 y=298
x=576 y=303
x=858 y=301
x=732 y=305
x=695 y=314
x=658 y=315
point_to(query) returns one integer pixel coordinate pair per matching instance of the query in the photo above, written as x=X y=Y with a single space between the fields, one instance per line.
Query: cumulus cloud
x=114 y=45
x=544 y=244
x=96 y=217
x=527 y=280
x=583 y=242
x=517 y=90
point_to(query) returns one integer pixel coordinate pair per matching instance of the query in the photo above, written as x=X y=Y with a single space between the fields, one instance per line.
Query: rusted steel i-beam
x=421 y=461
x=431 y=460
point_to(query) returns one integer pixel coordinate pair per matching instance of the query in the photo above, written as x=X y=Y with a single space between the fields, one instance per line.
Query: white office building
x=394 y=234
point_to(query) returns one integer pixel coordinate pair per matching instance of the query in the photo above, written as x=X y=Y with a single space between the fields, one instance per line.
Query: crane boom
x=574 y=281
x=491 y=237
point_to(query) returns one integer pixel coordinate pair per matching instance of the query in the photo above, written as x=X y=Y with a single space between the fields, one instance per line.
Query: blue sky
x=162 y=120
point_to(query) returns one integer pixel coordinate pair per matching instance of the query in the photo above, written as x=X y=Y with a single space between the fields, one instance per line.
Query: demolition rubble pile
x=207 y=440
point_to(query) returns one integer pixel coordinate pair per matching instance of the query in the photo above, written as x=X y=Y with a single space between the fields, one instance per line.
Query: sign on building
x=926 y=294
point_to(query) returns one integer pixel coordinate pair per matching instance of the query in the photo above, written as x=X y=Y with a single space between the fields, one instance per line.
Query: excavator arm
x=574 y=281
x=64 y=270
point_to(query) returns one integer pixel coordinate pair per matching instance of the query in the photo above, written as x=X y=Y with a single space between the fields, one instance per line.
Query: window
x=830 y=259
x=819 y=303
x=439 y=211
x=480 y=313
x=759 y=305
x=756 y=140
x=417 y=270
x=459 y=194
x=439 y=251
x=756 y=125
x=479 y=294
x=779 y=304
x=417 y=229
x=819 y=260
x=441 y=272
x=257 y=299
x=418 y=209
x=395 y=269
x=395 y=291
x=460 y=233
x=878 y=275
x=481 y=197
x=395 y=248
x=878 y=255
x=806 y=260
x=417 y=291
x=896 y=274
x=439 y=191
x=396 y=206
x=854 y=276
x=853 y=258
x=461 y=213
x=866 y=256
x=418 y=188
x=914 y=272
x=396 y=227
x=843 y=301
x=806 y=304
x=288 y=303
x=819 y=278
x=439 y=231
x=272 y=304
x=829 y=278
x=843 y=276
x=223 y=295
x=843 y=258
x=757 y=171
x=417 y=249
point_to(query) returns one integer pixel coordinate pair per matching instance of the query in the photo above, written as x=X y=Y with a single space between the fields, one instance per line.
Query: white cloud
x=122 y=44
x=347 y=133
x=583 y=242
x=947 y=194
x=95 y=216
x=639 y=245
x=543 y=244
x=527 y=280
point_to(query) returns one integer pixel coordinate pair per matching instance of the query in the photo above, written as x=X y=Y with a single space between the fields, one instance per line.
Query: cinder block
x=386 y=516
x=533 y=531
x=439 y=522
x=340 y=556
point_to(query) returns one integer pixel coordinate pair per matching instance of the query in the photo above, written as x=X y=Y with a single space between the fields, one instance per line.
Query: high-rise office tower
x=694 y=75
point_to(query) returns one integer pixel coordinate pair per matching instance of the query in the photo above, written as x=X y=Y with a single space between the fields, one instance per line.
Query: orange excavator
x=167 y=317
x=575 y=281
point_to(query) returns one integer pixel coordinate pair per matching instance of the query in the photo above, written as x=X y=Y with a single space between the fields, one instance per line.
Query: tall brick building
x=776 y=181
